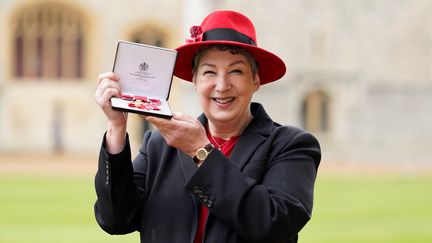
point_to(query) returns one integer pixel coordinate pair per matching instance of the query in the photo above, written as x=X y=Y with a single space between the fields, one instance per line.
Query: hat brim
x=270 y=66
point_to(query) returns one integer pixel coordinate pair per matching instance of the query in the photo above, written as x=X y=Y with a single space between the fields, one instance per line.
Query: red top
x=226 y=147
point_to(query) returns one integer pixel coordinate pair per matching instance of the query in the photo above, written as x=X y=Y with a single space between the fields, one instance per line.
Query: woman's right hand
x=108 y=86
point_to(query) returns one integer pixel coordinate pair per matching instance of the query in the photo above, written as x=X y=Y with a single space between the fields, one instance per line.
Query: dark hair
x=233 y=50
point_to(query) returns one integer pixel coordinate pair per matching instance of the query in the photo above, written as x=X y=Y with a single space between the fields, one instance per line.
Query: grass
x=50 y=209
x=371 y=209
x=347 y=209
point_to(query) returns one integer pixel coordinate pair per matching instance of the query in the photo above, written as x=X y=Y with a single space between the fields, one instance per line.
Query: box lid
x=144 y=70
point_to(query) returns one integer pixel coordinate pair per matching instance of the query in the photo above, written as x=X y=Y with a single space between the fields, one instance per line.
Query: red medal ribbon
x=142 y=102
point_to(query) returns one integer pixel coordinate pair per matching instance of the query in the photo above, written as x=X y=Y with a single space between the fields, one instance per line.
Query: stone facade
x=371 y=60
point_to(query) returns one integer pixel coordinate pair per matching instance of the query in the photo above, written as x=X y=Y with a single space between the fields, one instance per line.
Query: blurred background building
x=359 y=72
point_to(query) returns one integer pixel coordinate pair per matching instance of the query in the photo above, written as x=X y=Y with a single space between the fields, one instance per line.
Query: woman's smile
x=224 y=101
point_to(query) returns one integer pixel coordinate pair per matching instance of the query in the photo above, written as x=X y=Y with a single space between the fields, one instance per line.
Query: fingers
x=159 y=122
x=178 y=120
x=182 y=132
x=178 y=116
x=108 y=87
x=107 y=75
x=107 y=82
x=107 y=95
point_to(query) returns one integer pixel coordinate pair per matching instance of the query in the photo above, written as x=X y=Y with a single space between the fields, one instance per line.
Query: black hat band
x=228 y=35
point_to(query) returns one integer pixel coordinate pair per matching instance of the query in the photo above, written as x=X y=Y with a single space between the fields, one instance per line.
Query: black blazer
x=262 y=193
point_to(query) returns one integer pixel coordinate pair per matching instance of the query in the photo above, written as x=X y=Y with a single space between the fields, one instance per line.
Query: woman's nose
x=222 y=83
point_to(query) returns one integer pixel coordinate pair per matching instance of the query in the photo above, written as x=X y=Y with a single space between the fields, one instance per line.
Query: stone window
x=149 y=35
x=316 y=112
x=48 y=42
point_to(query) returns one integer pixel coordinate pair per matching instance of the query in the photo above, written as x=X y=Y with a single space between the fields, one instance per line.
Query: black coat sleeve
x=119 y=199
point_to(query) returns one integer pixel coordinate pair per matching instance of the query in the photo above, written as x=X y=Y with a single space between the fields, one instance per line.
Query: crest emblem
x=143 y=66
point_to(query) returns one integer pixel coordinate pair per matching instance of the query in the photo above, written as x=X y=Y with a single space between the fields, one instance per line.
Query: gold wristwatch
x=202 y=153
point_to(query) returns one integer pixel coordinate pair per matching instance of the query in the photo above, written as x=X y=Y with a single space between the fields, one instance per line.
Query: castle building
x=359 y=73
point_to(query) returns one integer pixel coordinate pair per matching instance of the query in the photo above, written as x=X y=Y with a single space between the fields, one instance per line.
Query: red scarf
x=226 y=147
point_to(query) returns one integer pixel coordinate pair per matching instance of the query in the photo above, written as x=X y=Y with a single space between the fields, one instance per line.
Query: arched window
x=315 y=112
x=149 y=35
x=48 y=42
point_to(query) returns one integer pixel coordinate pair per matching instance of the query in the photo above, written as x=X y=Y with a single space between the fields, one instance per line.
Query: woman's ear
x=194 y=81
x=257 y=82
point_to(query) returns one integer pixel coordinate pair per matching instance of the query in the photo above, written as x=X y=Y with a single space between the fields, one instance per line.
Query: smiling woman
x=260 y=169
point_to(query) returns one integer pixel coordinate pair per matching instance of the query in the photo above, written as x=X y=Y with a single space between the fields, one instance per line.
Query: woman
x=232 y=175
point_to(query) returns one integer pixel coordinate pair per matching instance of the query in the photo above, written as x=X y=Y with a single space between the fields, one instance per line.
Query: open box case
x=146 y=74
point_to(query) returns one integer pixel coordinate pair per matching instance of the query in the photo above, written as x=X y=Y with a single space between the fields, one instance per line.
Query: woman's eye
x=236 y=71
x=209 y=73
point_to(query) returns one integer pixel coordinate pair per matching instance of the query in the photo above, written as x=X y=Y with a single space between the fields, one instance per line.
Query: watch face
x=201 y=154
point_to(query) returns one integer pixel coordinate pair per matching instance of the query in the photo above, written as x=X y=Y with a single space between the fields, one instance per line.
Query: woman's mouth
x=224 y=101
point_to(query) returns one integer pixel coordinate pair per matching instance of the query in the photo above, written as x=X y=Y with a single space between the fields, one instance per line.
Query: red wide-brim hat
x=228 y=28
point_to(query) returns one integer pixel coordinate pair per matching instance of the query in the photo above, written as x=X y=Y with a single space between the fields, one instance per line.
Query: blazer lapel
x=254 y=135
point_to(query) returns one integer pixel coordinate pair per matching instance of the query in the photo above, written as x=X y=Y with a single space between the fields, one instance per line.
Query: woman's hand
x=108 y=87
x=181 y=131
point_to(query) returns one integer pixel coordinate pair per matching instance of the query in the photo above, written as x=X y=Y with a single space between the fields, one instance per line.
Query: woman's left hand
x=182 y=132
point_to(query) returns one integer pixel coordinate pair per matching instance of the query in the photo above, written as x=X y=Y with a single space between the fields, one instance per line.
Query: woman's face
x=225 y=84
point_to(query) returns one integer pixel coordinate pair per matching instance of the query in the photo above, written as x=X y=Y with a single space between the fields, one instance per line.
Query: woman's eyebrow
x=231 y=64
x=237 y=62
x=207 y=64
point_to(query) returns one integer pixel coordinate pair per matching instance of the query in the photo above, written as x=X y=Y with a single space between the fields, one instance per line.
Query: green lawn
x=371 y=209
x=50 y=209
x=347 y=209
